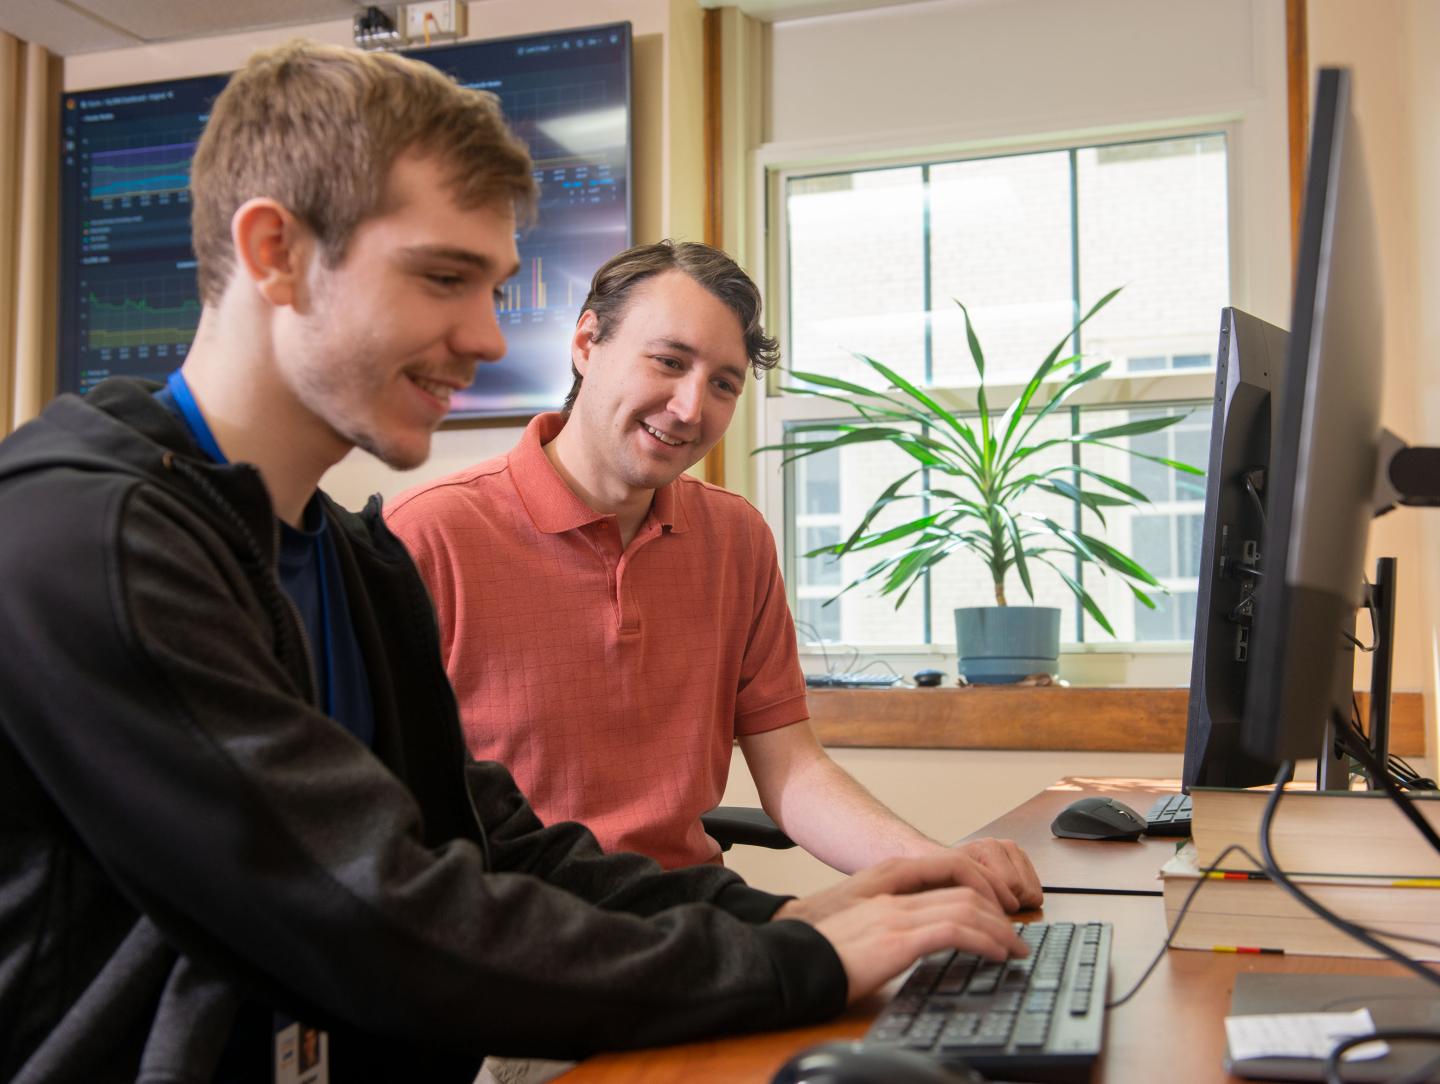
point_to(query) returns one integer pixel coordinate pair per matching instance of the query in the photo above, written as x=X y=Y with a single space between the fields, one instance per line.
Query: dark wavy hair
x=614 y=283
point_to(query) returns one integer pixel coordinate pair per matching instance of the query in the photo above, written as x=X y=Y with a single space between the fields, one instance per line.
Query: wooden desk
x=1172 y=1030
x=1078 y=865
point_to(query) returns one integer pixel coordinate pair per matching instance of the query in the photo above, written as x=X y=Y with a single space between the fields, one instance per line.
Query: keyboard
x=1040 y=1018
x=1169 y=816
x=850 y=681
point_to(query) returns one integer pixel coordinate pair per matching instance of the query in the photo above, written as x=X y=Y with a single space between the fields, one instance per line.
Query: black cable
x=1351 y=929
x=1419 y=1035
x=1254 y=492
x=1179 y=918
x=1406 y=805
x=1185 y=907
x=1397 y=767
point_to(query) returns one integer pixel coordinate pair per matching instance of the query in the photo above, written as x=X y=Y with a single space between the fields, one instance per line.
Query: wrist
x=793 y=908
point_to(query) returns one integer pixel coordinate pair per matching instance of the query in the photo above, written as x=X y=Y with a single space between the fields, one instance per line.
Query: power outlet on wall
x=446 y=20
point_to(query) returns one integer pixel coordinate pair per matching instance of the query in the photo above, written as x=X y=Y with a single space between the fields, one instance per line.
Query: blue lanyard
x=200 y=430
x=190 y=411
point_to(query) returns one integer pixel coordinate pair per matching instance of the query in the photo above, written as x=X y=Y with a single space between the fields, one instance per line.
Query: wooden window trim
x=1071 y=719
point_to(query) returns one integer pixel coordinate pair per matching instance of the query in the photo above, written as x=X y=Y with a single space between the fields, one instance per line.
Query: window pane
x=842 y=227
x=1172 y=619
x=1163 y=536
x=861 y=616
x=1154 y=218
x=1189 y=529
x=1002 y=237
x=1192 y=445
x=817 y=623
x=1151 y=544
x=824 y=570
x=817 y=479
x=1000 y=243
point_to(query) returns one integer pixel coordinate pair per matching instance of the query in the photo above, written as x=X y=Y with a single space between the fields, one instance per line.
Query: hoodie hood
x=120 y=425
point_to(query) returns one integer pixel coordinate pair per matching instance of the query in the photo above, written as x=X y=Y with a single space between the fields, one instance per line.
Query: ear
x=271 y=249
x=583 y=341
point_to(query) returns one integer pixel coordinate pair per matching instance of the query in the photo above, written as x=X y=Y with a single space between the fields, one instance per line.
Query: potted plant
x=971 y=477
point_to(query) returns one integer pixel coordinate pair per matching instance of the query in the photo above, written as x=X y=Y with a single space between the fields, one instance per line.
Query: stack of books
x=1355 y=853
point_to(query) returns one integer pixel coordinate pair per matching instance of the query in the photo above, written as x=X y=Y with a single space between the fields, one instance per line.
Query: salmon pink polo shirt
x=612 y=684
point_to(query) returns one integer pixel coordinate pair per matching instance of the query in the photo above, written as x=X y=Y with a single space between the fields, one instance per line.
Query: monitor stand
x=1333 y=767
x=1381 y=597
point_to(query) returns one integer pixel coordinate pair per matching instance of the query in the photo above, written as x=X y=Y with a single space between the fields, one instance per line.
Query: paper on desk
x=1300 y=1035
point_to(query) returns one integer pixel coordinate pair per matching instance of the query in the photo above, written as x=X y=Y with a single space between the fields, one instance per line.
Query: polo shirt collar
x=553 y=506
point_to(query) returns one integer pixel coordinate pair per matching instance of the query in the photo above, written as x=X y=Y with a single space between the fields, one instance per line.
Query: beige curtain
x=29 y=213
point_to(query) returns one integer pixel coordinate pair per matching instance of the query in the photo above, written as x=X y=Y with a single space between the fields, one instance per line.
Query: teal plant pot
x=1002 y=644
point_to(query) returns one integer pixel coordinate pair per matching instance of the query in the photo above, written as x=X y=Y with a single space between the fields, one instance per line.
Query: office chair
x=732 y=824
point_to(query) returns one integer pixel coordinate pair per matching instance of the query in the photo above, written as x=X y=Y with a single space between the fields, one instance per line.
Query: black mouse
x=1098 y=818
x=853 y=1063
x=928 y=677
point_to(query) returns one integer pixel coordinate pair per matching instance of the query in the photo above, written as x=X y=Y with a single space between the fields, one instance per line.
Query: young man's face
x=662 y=386
x=380 y=342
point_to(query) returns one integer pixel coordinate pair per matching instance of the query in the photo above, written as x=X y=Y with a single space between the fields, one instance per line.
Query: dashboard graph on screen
x=129 y=303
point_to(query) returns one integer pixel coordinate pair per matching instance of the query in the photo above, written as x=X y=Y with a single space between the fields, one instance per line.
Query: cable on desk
x=1179 y=918
x=1190 y=897
x=1419 y=1035
x=1365 y=934
x=1359 y=933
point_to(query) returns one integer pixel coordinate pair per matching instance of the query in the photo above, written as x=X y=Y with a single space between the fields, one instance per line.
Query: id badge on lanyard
x=302 y=1055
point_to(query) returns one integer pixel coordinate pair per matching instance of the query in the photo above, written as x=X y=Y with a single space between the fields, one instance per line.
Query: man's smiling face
x=660 y=389
x=387 y=337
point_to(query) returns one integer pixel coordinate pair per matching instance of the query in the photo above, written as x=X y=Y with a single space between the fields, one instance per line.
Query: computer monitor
x=1231 y=547
x=1324 y=454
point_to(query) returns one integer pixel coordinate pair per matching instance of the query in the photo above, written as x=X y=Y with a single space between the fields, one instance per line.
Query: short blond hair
x=318 y=127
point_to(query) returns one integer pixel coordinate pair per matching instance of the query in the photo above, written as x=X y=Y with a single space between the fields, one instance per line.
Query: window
x=874 y=260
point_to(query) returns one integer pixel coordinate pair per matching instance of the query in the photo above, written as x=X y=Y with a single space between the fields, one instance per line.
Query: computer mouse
x=1098 y=818
x=929 y=677
x=853 y=1063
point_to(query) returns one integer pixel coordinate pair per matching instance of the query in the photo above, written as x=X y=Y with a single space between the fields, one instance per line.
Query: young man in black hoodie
x=234 y=800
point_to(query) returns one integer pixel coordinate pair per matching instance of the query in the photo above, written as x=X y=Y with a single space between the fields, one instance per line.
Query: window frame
x=1088 y=662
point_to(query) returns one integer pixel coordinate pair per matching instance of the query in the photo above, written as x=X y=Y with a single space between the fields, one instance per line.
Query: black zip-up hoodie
x=187 y=842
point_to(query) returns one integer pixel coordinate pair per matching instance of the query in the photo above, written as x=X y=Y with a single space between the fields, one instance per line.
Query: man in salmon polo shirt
x=611 y=624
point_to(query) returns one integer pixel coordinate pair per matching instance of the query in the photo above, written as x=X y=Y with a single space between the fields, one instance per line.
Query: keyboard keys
x=1042 y=1014
x=1169 y=816
x=957 y=974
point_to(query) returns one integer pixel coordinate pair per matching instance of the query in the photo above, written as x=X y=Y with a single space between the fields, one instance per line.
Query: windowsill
x=1101 y=663
x=1131 y=720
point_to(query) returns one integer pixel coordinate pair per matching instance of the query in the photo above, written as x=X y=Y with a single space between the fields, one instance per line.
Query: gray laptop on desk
x=1394 y=1002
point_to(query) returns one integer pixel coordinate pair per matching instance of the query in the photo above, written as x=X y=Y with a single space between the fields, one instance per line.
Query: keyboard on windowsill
x=1169 y=816
x=1037 y=1019
x=850 y=681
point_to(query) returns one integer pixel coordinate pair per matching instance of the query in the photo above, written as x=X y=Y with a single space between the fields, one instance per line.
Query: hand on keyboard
x=945 y=868
x=1012 y=865
x=883 y=918
x=877 y=939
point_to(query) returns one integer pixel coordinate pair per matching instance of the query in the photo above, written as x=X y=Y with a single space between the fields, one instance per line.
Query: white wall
x=1422 y=33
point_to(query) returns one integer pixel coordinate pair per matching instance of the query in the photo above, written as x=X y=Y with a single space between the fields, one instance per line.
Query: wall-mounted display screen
x=128 y=301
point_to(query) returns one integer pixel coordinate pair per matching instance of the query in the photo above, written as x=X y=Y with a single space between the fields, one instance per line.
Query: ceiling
x=68 y=27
